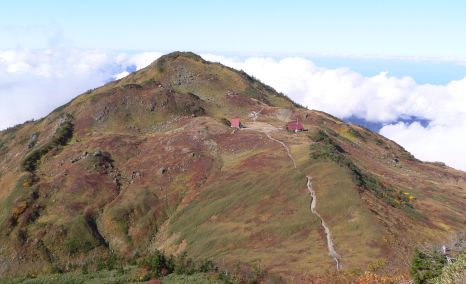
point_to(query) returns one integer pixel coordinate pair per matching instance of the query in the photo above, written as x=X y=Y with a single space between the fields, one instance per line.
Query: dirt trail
x=266 y=129
x=328 y=234
x=254 y=115
x=284 y=146
x=331 y=249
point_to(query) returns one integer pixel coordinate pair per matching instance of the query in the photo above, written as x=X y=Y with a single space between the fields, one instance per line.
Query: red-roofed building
x=294 y=126
x=236 y=123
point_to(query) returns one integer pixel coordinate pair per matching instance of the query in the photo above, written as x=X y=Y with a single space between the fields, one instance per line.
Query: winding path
x=330 y=246
x=331 y=249
x=284 y=146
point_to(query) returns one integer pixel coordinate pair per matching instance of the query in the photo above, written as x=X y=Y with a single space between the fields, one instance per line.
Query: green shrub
x=3 y=147
x=79 y=237
x=379 y=142
x=425 y=266
x=184 y=264
x=72 y=246
x=61 y=137
x=206 y=266
x=246 y=76
x=100 y=264
x=225 y=278
x=75 y=245
x=85 y=269
x=353 y=132
x=226 y=122
x=251 y=92
x=110 y=262
x=158 y=264
x=327 y=148
x=454 y=272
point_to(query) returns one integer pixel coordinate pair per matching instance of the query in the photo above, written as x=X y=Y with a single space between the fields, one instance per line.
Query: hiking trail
x=266 y=129
x=330 y=246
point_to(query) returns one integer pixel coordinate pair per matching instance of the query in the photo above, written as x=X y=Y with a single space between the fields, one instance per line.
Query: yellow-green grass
x=357 y=234
x=95 y=277
x=249 y=215
x=127 y=276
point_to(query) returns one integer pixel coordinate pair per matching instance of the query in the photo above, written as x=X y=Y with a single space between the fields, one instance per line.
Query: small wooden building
x=236 y=123
x=294 y=126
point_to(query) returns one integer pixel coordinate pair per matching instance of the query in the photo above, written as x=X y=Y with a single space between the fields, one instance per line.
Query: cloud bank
x=380 y=98
x=33 y=83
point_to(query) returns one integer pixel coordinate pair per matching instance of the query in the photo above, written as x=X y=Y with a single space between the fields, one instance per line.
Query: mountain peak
x=150 y=162
x=187 y=72
x=183 y=54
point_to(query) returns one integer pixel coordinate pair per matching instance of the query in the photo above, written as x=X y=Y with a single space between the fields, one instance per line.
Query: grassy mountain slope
x=147 y=162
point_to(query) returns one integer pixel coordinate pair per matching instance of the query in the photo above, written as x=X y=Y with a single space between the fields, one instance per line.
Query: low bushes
x=157 y=266
x=61 y=136
x=160 y=265
x=2 y=147
x=224 y=121
x=75 y=245
x=426 y=265
x=353 y=132
x=80 y=237
x=327 y=148
x=453 y=273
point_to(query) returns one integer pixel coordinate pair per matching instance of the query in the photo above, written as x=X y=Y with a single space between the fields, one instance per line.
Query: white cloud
x=120 y=75
x=381 y=98
x=344 y=93
x=33 y=83
x=432 y=143
x=138 y=61
x=141 y=60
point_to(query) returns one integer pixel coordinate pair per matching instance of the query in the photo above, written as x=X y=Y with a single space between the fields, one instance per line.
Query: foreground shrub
x=425 y=266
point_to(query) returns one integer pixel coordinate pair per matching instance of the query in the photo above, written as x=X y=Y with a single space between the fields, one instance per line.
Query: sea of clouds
x=33 y=83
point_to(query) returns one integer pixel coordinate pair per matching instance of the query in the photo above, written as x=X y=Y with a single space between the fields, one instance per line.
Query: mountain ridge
x=147 y=162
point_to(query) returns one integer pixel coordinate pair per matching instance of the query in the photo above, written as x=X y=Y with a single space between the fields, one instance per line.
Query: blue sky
x=422 y=39
x=378 y=28
x=399 y=66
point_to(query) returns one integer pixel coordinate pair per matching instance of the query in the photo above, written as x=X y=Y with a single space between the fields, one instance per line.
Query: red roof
x=235 y=122
x=294 y=125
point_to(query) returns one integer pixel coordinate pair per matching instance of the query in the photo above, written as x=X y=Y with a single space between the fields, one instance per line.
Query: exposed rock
x=135 y=175
x=80 y=157
x=162 y=171
x=102 y=115
x=33 y=140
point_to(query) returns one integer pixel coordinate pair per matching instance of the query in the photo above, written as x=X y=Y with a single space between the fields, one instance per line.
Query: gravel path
x=284 y=146
x=330 y=246
x=266 y=129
